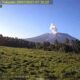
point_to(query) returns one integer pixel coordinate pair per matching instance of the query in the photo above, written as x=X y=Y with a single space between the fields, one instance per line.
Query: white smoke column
x=53 y=28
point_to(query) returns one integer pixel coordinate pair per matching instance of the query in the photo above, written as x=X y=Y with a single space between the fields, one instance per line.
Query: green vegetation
x=66 y=46
x=34 y=64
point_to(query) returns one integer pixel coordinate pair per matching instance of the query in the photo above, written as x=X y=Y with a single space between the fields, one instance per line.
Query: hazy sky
x=25 y=21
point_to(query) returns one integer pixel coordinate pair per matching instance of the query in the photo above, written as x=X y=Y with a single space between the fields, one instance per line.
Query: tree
x=67 y=41
x=39 y=45
x=56 y=44
x=46 y=45
x=76 y=45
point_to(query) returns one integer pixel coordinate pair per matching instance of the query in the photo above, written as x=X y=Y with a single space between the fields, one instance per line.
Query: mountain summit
x=51 y=37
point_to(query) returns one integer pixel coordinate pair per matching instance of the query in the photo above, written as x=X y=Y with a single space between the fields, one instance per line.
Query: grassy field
x=33 y=64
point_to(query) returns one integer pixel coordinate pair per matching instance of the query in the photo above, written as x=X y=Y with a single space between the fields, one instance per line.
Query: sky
x=25 y=21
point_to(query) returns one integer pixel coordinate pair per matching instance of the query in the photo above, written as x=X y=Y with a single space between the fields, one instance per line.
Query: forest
x=67 y=46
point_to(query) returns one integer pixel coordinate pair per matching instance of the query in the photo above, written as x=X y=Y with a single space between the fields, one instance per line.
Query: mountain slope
x=50 y=37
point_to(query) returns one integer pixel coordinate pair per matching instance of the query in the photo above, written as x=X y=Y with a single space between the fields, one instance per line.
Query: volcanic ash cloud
x=53 y=28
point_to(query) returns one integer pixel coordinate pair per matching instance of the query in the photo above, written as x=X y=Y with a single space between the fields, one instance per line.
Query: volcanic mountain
x=51 y=37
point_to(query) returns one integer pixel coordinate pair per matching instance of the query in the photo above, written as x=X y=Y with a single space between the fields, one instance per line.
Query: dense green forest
x=36 y=64
x=67 y=46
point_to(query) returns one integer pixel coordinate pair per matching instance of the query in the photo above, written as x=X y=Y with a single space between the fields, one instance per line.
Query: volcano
x=51 y=37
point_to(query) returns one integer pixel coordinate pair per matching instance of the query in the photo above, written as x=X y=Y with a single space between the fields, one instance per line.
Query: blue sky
x=24 y=21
